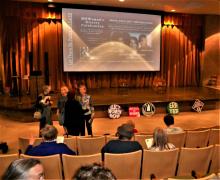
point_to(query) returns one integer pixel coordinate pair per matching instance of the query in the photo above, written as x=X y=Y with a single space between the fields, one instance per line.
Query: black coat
x=73 y=117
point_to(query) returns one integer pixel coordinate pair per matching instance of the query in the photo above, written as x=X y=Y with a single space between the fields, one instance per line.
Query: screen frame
x=112 y=9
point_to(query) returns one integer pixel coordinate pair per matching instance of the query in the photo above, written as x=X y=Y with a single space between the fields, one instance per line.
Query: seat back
x=215 y=163
x=71 y=143
x=177 y=140
x=90 y=145
x=124 y=166
x=214 y=137
x=208 y=177
x=52 y=165
x=5 y=161
x=72 y=163
x=141 y=139
x=162 y=163
x=23 y=143
x=197 y=138
x=194 y=159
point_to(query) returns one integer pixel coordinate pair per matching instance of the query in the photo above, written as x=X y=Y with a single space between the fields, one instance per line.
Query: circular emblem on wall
x=114 y=111
x=148 y=109
x=173 y=108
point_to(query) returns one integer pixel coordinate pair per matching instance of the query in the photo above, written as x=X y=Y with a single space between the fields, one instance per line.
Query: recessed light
x=50 y=0
x=173 y=10
x=121 y=0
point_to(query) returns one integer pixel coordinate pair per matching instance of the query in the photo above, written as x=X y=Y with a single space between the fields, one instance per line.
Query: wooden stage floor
x=108 y=96
x=126 y=97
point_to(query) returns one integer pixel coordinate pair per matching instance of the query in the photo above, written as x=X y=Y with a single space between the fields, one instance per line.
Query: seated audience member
x=124 y=143
x=160 y=141
x=49 y=146
x=171 y=129
x=24 y=169
x=93 y=172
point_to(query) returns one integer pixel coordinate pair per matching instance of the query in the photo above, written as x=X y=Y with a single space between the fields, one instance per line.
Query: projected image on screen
x=110 y=41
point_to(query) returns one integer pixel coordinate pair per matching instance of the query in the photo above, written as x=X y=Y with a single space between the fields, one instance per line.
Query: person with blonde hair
x=44 y=106
x=61 y=105
x=49 y=146
x=160 y=141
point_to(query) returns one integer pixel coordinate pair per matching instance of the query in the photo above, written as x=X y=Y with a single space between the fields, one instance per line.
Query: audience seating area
x=179 y=162
x=202 y=159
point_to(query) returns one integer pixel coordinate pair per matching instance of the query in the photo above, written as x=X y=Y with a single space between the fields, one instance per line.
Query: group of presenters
x=74 y=110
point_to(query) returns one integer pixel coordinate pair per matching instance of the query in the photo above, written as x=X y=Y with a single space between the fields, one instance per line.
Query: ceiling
x=181 y=6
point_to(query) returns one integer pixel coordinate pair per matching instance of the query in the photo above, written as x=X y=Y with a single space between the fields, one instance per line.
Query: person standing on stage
x=44 y=104
x=86 y=103
x=73 y=119
x=61 y=105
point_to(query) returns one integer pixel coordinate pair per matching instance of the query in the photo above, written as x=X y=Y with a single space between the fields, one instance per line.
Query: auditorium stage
x=126 y=97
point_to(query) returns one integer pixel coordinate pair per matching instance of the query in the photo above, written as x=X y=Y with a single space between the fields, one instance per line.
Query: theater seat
x=52 y=165
x=5 y=161
x=72 y=163
x=23 y=143
x=141 y=139
x=90 y=145
x=124 y=166
x=177 y=139
x=194 y=159
x=208 y=177
x=215 y=163
x=214 y=137
x=197 y=139
x=162 y=164
x=71 y=142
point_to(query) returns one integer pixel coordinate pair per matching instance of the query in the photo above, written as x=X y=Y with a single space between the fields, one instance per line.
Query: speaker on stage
x=46 y=69
x=31 y=62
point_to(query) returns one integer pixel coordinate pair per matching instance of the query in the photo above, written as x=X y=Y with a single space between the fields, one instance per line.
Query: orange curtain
x=29 y=27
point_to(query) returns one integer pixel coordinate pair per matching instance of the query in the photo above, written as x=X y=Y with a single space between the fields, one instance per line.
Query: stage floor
x=142 y=95
x=124 y=96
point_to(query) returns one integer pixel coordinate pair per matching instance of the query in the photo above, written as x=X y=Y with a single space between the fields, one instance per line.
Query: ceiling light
x=121 y=0
x=173 y=10
x=50 y=0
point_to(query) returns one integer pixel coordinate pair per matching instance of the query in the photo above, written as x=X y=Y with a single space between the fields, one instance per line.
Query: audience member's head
x=64 y=90
x=168 y=120
x=131 y=123
x=160 y=138
x=93 y=172
x=30 y=169
x=125 y=131
x=49 y=133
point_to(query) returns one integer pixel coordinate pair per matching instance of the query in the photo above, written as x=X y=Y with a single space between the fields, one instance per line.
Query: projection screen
x=95 y=40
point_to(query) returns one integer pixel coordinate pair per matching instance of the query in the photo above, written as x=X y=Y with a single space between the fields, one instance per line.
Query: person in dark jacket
x=73 y=118
x=49 y=146
x=124 y=143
